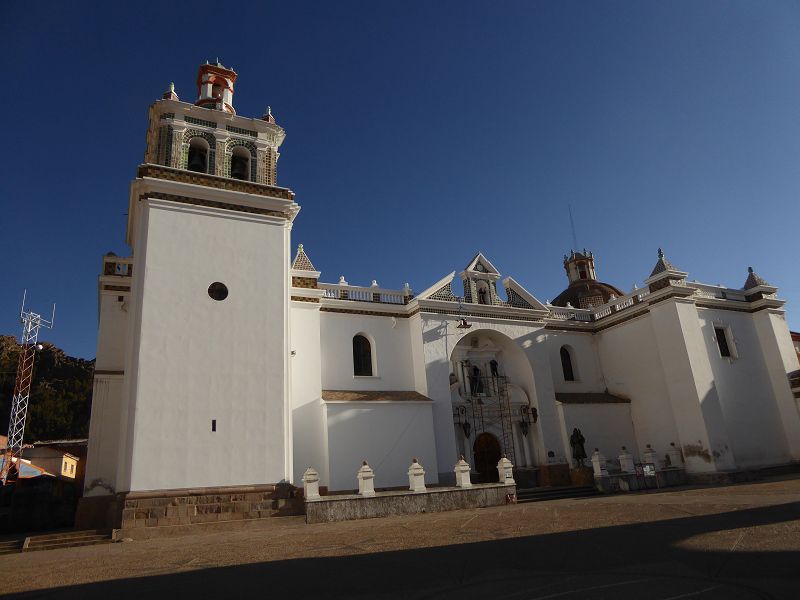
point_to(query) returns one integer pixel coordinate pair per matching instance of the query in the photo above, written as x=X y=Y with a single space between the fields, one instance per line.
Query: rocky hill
x=61 y=396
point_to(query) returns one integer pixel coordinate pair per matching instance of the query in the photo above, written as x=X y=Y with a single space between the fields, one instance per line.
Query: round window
x=218 y=291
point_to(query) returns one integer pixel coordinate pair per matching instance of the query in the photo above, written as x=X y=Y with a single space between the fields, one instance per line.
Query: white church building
x=224 y=359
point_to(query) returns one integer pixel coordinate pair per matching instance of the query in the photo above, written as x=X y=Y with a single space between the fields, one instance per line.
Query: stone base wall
x=344 y=508
x=629 y=482
x=136 y=510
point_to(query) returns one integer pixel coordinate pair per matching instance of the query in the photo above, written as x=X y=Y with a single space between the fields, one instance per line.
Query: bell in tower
x=240 y=164
x=198 y=155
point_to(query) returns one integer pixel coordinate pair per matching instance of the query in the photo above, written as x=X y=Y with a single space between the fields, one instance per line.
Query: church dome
x=583 y=289
x=580 y=294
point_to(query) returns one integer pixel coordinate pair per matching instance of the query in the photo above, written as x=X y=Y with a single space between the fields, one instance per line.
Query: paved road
x=717 y=543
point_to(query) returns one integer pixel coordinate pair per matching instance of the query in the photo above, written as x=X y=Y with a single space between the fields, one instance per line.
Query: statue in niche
x=493 y=368
x=482 y=296
x=576 y=440
x=475 y=381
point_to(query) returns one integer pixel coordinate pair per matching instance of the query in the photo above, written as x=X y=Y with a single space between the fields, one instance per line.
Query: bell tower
x=215 y=87
x=203 y=396
x=580 y=266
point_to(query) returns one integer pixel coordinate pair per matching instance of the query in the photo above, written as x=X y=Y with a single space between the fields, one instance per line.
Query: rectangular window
x=722 y=342
x=213 y=424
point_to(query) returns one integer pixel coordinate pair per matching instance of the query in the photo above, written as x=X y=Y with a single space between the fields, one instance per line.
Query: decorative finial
x=364 y=463
x=749 y=269
x=172 y=86
x=660 y=253
x=299 y=247
x=269 y=111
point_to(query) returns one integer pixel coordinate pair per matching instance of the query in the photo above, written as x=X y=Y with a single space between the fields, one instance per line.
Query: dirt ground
x=740 y=541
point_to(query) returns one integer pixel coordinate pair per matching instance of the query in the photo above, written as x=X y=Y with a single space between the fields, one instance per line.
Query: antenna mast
x=31 y=324
x=572 y=225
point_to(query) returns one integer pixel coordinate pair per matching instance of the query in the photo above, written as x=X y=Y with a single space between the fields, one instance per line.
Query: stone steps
x=555 y=493
x=70 y=539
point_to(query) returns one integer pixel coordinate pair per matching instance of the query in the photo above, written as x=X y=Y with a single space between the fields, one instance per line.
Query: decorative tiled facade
x=248 y=187
x=241 y=131
x=444 y=293
x=201 y=122
x=515 y=300
x=308 y=283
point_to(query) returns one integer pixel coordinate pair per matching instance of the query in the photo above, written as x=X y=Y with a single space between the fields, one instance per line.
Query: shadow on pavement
x=642 y=560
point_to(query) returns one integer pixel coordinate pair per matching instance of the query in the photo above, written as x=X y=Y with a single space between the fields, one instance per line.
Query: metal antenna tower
x=31 y=324
x=572 y=225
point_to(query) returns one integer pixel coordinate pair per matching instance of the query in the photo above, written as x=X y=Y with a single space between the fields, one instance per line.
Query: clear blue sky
x=419 y=133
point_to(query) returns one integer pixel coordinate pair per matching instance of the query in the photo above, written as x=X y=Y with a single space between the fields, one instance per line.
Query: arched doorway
x=487 y=453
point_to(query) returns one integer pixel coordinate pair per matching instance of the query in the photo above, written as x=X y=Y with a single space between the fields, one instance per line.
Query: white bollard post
x=311 y=484
x=626 y=463
x=675 y=457
x=651 y=456
x=506 y=471
x=366 y=480
x=462 y=470
x=599 y=463
x=416 y=477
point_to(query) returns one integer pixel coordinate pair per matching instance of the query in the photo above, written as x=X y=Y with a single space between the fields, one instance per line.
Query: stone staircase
x=67 y=539
x=539 y=494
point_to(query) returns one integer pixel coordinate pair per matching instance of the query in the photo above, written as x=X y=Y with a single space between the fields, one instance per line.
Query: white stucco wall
x=107 y=403
x=308 y=429
x=605 y=426
x=112 y=331
x=194 y=360
x=388 y=435
x=746 y=398
x=585 y=366
x=391 y=348
x=104 y=435
x=631 y=364
x=780 y=359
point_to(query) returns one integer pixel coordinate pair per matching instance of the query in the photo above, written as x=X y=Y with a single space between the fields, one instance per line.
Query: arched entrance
x=491 y=381
x=486 y=454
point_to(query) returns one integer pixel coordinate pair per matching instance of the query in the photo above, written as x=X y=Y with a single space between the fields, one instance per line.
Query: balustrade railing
x=363 y=294
x=704 y=290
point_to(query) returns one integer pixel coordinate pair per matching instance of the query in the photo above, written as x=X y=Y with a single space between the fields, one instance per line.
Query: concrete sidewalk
x=739 y=541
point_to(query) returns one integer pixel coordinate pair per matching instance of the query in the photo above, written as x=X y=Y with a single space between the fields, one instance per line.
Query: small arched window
x=362 y=356
x=240 y=164
x=198 y=155
x=566 y=364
